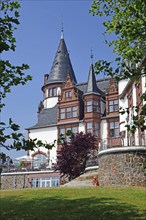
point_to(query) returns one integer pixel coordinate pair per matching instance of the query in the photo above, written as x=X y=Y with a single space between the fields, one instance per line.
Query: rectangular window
x=74 y=111
x=113 y=105
x=95 y=129
x=114 y=129
x=50 y=92
x=62 y=113
x=68 y=112
x=89 y=106
x=68 y=94
x=75 y=130
x=89 y=127
x=92 y=106
x=92 y=128
x=63 y=131
x=55 y=92
x=95 y=106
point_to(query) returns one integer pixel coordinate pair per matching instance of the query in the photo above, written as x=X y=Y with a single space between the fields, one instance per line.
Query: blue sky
x=37 y=37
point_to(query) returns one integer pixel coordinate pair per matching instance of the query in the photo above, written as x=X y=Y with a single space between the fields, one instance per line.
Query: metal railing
x=112 y=142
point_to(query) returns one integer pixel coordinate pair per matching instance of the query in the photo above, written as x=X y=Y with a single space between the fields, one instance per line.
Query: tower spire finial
x=62 y=28
x=91 y=56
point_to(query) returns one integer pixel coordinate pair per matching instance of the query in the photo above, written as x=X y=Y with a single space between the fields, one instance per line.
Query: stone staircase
x=84 y=179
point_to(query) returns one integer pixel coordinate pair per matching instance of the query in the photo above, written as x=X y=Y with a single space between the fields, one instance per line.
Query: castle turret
x=57 y=76
x=92 y=109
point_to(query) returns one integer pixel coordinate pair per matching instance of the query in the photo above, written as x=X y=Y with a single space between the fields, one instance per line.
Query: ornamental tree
x=72 y=156
x=125 y=21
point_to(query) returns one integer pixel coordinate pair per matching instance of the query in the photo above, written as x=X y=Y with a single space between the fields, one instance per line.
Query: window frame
x=52 y=92
x=93 y=128
x=113 y=107
x=69 y=112
x=92 y=106
x=62 y=113
x=67 y=138
x=68 y=94
x=114 y=129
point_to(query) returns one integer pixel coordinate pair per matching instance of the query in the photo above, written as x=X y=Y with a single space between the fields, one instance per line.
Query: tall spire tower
x=61 y=65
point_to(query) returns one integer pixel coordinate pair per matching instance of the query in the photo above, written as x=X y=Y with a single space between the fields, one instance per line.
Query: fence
x=111 y=142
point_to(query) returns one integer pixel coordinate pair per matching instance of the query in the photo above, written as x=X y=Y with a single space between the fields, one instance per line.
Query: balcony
x=112 y=142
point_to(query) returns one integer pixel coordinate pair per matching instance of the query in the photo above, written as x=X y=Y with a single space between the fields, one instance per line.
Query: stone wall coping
x=92 y=168
x=122 y=150
x=27 y=172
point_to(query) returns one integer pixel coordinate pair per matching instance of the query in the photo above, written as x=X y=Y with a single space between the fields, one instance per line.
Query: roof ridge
x=97 y=80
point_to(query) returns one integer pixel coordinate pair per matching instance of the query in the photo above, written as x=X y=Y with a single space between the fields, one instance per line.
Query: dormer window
x=68 y=94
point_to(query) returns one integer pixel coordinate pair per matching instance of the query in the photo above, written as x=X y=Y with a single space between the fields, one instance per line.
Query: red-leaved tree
x=72 y=156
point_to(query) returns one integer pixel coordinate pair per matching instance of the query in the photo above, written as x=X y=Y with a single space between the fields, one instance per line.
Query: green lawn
x=74 y=204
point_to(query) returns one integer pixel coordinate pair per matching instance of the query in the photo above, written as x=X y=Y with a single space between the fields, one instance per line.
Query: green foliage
x=144 y=165
x=12 y=75
x=125 y=21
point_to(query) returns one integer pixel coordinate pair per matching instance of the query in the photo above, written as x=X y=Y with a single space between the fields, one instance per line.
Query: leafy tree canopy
x=72 y=157
x=12 y=75
x=125 y=21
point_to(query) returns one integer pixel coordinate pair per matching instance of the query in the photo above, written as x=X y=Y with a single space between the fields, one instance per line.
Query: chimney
x=46 y=76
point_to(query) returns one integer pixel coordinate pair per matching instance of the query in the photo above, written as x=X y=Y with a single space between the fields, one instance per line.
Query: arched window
x=39 y=161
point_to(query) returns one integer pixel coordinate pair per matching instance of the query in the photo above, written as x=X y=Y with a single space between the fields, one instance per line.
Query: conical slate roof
x=91 y=85
x=61 y=65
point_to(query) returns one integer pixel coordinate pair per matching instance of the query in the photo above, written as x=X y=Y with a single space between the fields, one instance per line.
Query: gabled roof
x=102 y=84
x=91 y=84
x=61 y=65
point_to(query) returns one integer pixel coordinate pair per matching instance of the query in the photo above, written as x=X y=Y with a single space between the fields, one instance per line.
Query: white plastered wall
x=103 y=132
x=134 y=104
x=50 y=102
x=46 y=135
x=81 y=127
x=122 y=85
x=122 y=118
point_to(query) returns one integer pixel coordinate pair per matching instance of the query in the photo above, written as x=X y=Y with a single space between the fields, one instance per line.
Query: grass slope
x=74 y=204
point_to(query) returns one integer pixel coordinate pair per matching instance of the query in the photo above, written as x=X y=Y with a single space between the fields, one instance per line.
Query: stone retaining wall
x=122 y=166
x=15 y=181
x=19 y=180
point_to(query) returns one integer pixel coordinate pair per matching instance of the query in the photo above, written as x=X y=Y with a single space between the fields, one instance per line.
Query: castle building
x=88 y=107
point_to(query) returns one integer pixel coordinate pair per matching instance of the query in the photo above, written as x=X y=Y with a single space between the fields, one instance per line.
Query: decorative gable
x=69 y=92
x=68 y=82
x=113 y=88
